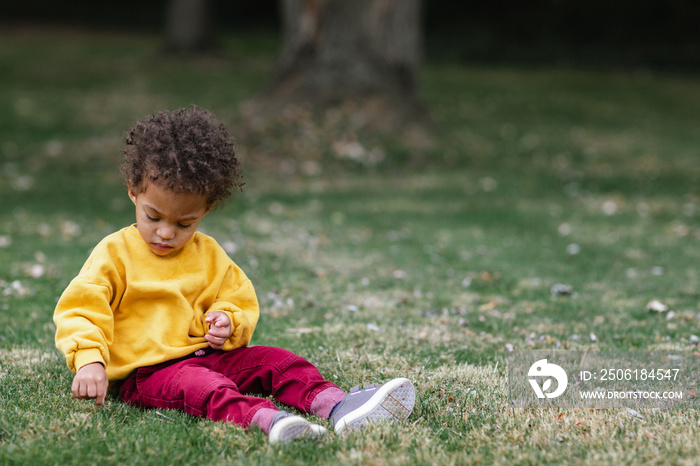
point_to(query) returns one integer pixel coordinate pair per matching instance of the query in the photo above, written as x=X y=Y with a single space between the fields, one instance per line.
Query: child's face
x=166 y=219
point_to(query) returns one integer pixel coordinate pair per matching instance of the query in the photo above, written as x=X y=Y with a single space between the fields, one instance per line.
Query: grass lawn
x=431 y=265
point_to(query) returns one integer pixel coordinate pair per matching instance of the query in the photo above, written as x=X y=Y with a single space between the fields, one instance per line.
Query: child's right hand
x=91 y=382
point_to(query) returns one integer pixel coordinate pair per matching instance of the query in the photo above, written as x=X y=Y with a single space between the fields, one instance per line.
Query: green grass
x=425 y=266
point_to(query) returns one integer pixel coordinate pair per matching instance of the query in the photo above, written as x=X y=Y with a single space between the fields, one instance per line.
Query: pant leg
x=291 y=379
x=194 y=386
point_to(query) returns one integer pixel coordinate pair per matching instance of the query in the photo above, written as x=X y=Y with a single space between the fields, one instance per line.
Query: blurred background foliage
x=656 y=34
x=68 y=96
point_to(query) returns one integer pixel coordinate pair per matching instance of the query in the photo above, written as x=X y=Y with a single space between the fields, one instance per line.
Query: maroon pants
x=216 y=385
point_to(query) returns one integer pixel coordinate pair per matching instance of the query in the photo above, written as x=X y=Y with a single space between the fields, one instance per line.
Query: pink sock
x=326 y=401
x=263 y=418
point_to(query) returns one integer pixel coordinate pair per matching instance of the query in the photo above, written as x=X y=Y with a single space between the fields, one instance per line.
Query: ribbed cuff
x=87 y=356
x=325 y=401
x=263 y=418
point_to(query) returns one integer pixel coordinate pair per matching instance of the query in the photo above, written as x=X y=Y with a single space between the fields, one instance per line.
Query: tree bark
x=339 y=50
x=188 y=26
x=345 y=87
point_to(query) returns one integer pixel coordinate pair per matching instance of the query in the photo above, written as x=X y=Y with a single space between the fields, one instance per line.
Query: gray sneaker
x=286 y=427
x=393 y=400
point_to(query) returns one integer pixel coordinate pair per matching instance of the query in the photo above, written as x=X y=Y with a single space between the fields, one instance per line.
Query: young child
x=161 y=316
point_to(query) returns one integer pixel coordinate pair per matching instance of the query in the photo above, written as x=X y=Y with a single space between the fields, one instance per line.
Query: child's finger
x=218 y=332
x=78 y=393
x=101 y=395
x=92 y=391
x=216 y=337
x=75 y=389
x=82 y=391
x=217 y=319
x=212 y=320
x=214 y=342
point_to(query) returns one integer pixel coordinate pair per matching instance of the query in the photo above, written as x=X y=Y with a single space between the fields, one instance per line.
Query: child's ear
x=132 y=195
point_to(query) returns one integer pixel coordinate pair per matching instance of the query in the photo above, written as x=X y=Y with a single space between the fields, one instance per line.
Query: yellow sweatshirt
x=129 y=308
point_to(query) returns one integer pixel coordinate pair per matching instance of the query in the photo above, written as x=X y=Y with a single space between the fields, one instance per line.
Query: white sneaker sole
x=393 y=400
x=294 y=427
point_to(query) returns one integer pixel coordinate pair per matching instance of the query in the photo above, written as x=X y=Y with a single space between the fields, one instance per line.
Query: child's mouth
x=162 y=247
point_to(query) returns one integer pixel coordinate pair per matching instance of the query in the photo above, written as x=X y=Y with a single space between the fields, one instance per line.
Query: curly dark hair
x=186 y=150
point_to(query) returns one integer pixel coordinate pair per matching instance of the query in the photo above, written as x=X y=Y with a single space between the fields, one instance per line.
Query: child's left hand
x=219 y=329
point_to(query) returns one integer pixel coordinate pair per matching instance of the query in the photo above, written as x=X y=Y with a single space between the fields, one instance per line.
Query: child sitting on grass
x=161 y=316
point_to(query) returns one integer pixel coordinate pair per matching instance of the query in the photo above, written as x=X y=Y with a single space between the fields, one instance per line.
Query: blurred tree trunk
x=188 y=26
x=364 y=51
x=345 y=88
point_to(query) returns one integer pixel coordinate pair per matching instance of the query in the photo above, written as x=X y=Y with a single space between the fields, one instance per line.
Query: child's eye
x=150 y=218
x=185 y=226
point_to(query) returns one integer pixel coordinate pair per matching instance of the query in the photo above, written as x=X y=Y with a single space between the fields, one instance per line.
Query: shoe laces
x=357 y=388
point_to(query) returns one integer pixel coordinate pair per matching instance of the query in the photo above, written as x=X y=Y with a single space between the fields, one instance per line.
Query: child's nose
x=166 y=232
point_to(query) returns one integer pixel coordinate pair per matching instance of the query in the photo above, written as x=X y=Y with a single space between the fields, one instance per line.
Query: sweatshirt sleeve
x=84 y=317
x=238 y=300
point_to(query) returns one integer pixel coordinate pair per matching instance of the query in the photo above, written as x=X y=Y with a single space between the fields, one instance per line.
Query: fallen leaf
x=488 y=306
x=656 y=306
x=560 y=289
x=70 y=229
x=36 y=271
x=573 y=249
x=609 y=207
x=488 y=277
